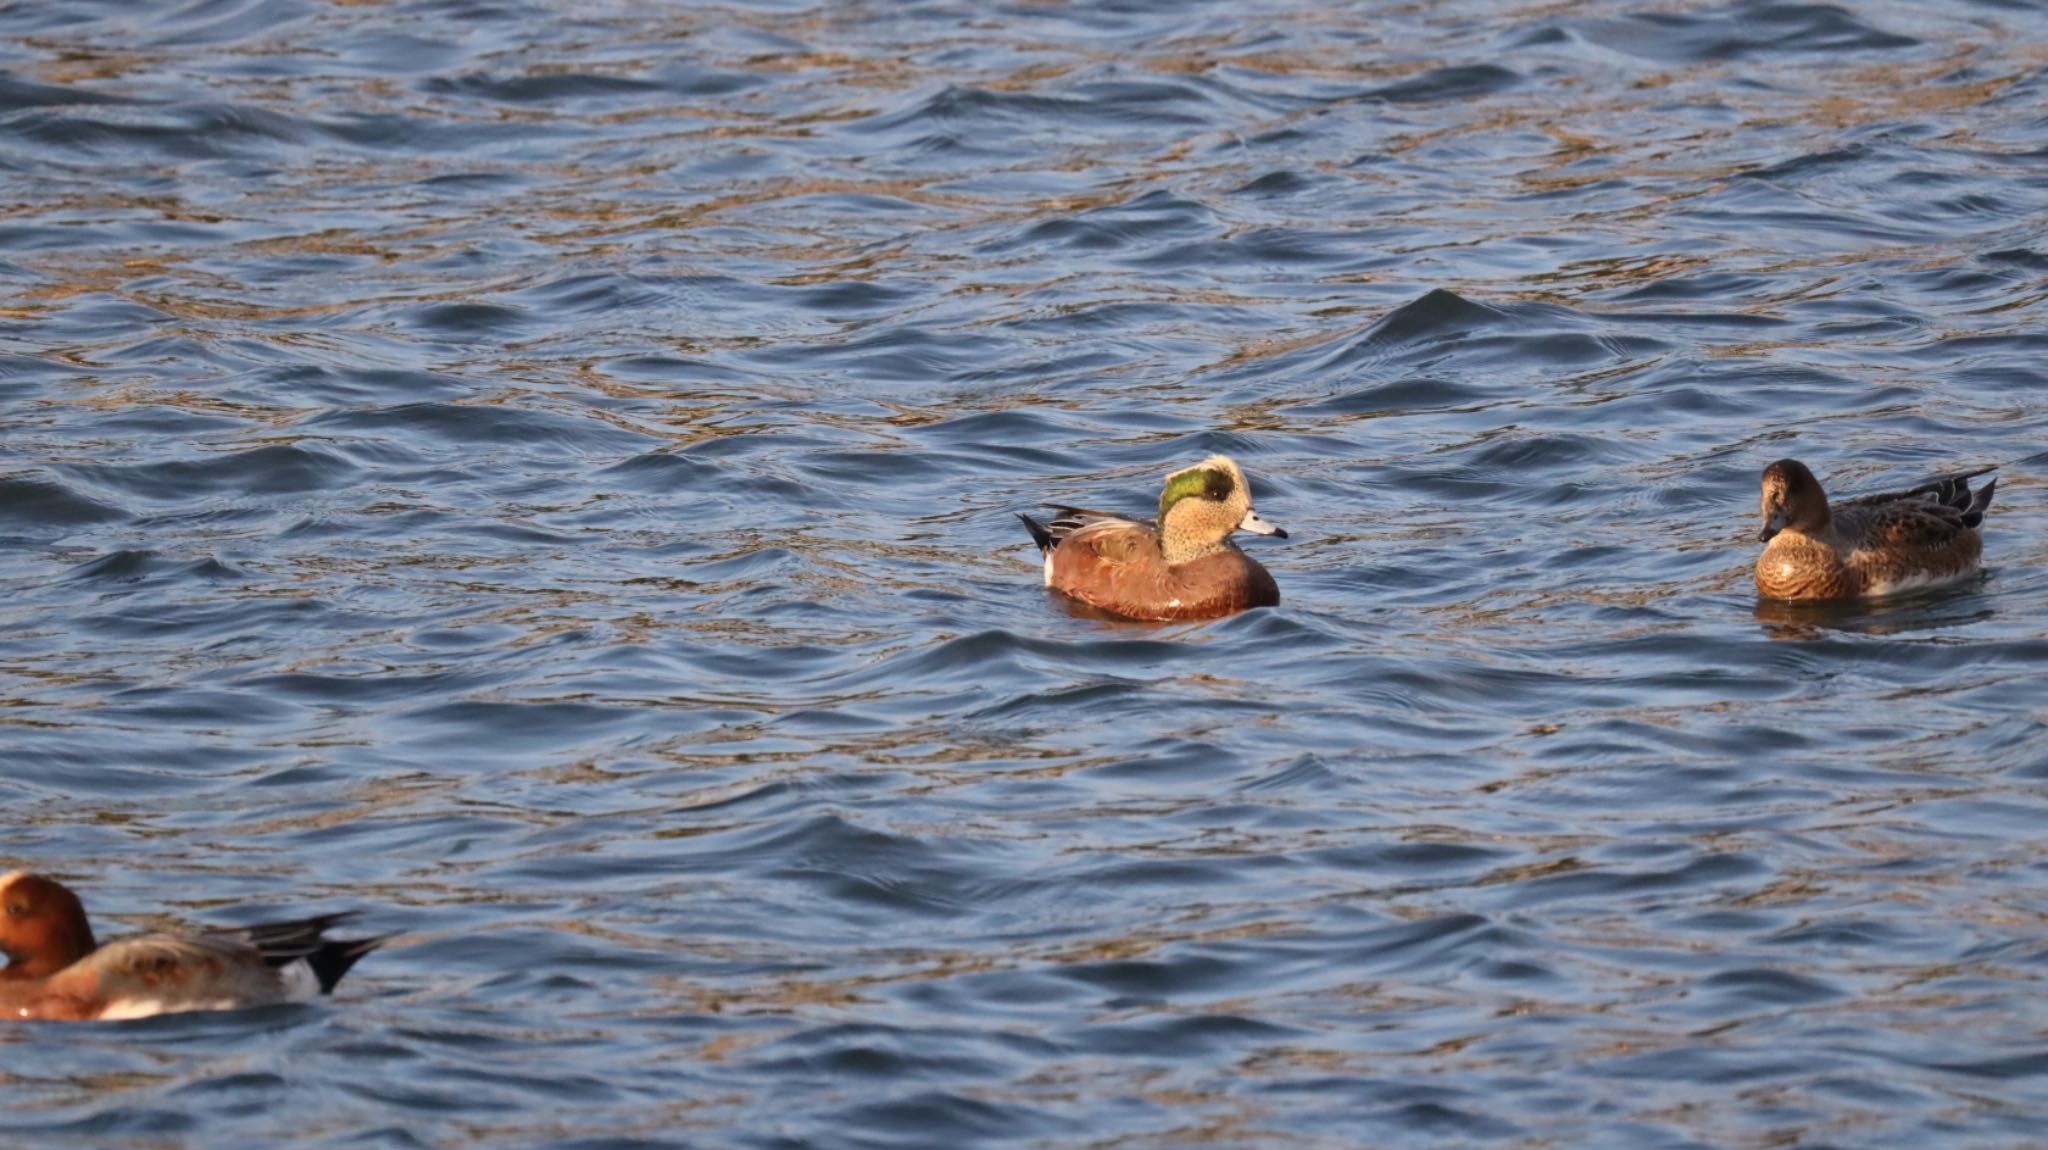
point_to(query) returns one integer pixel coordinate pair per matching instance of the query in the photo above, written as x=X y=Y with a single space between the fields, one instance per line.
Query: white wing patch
x=299 y=982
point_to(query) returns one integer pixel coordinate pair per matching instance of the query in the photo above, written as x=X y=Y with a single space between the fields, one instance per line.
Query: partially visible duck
x=56 y=971
x=1866 y=547
x=1182 y=567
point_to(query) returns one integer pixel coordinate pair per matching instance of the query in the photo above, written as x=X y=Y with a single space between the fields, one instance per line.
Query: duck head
x=43 y=928
x=1792 y=498
x=1201 y=505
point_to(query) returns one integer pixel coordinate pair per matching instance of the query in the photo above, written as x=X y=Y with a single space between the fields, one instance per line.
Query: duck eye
x=17 y=909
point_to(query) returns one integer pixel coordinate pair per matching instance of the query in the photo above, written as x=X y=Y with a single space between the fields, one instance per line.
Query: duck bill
x=1257 y=526
x=1772 y=525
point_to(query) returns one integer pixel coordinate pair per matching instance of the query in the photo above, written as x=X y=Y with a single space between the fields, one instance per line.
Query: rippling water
x=543 y=474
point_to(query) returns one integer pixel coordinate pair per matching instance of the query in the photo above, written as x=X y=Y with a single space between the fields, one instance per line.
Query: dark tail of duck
x=283 y=943
x=1979 y=502
x=1039 y=533
x=334 y=958
x=1954 y=490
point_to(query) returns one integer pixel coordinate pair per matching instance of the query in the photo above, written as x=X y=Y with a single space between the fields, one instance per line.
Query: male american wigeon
x=56 y=971
x=1184 y=567
x=1870 y=546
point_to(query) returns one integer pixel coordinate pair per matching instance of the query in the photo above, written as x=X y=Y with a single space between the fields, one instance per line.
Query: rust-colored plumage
x=43 y=928
x=1184 y=567
x=1870 y=546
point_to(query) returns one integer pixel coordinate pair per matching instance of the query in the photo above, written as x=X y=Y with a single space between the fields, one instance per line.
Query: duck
x=56 y=971
x=1871 y=546
x=1184 y=566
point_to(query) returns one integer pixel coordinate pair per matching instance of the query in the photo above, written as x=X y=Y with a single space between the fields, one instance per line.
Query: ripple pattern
x=542 y=473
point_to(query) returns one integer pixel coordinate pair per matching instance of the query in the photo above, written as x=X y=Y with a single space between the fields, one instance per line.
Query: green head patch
x=1212 y=483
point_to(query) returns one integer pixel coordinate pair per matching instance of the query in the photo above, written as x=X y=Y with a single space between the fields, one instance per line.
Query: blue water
x=544 y=474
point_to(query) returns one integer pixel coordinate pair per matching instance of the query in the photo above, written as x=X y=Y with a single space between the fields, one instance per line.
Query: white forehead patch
x=9 y=879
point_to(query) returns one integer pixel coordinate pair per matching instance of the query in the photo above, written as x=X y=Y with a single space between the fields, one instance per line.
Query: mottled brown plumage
x=1870 y=546
x=1184 y=568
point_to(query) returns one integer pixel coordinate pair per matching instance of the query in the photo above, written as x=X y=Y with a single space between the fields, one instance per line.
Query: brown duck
x=1185 y=567
x=1866 y=547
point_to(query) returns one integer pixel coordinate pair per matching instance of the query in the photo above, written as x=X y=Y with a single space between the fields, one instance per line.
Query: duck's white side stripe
x=1918 y=581
x=123 y=1009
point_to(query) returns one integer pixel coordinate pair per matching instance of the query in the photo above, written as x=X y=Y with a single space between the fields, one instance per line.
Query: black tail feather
x=1973 y=512
x=1954 y=490
x=1951 y=490
x=1039 y=534
x=334 y=958
x=283 y=943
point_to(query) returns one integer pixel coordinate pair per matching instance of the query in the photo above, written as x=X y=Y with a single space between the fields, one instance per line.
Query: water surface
x=544 y=474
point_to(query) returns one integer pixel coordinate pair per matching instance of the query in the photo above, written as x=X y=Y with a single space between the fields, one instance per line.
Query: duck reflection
x=1927 y=611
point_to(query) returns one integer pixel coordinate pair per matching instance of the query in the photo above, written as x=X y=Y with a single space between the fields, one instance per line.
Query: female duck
x=1185 y=567
x=1867 y=547
x=56 y=971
